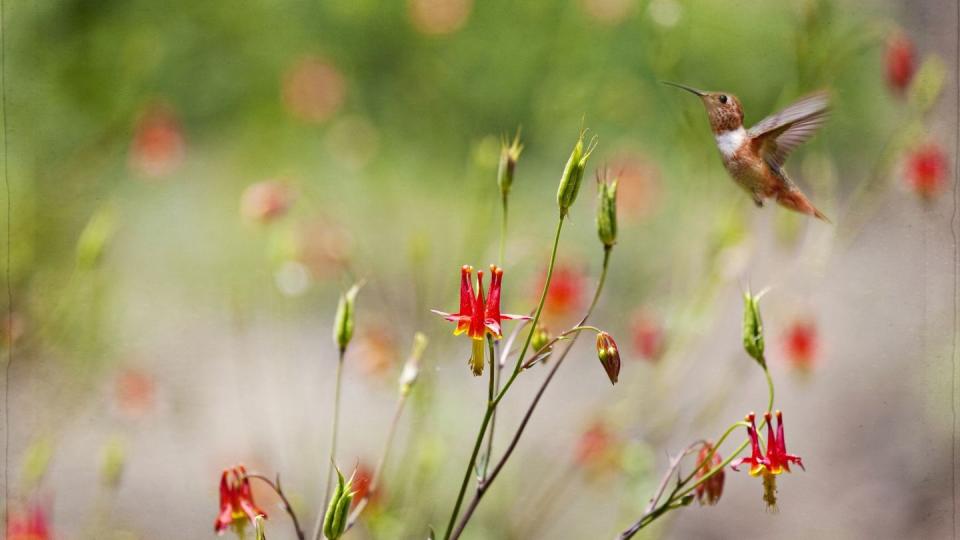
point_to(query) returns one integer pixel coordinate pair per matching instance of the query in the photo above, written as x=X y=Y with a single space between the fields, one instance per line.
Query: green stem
x=678 y=494
x=503 y=230
x=492 y=405
x=536 y=317
x=317 y=530
x=491 y=393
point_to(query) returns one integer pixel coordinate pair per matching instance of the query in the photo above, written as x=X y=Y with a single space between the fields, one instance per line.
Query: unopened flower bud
x=411 y=370
x=335 y=520
x=541 y=337
x=573 y=174
x=509 y=154
x=259 y=528
x=753 y=328
x=607 y=211
x=111 y=469
x=710 y=490
x=343 y=323
x=609 y=356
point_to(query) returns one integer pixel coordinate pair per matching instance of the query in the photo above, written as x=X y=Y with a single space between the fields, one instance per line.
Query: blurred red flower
x=362 y=484
x=158 y=146
x=266 y=201
x=323 y=246
x=800 y=344
x=598 y=448
x=30 y=524
x=313 y=90
x=236 y=501
x=438 y=17
x=565 y=294
x=926 y=172
x=900 y=60
x=648 y=337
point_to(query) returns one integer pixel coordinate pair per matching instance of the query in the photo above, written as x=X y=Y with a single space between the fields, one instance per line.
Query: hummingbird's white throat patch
x=730 y=141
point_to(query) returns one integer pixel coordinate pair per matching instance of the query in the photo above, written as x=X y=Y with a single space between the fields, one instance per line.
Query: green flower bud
x=607 y=211
x=541 y=337
x=573 y=174
x=509 y=154
x=411 y=370
x=95 y=237
x=111 y=468
x=259 y=527
x=753 y=328
x=335 y=520
x=343 y=323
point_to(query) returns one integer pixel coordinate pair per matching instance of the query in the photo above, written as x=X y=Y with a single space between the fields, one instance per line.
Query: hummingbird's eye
x=723 y=99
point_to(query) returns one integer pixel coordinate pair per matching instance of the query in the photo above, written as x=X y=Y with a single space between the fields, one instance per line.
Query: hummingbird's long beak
x=685 y=87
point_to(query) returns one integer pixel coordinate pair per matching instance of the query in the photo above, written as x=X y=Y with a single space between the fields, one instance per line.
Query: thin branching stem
x=485 y=485
x=492 y=405
x=275 y=486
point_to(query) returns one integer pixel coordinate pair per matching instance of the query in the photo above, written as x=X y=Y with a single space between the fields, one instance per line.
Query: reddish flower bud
x=609 y=356
x=926 y=172
x=158 y=146
x=900 y=61
x=710 y=490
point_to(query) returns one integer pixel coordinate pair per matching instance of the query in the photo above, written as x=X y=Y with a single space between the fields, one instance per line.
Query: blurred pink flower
x=900 y=60
x=266 y=201
x=926 y=172
x=30 y=524
x=607 y=11
x=377 y=350
x=648 y=339
x=598 y=448
x=800 y=344
x=438 y=17
x=313 y=90
x=135 y=392
x=324 y=246
x=638 y=186
x=158 y=146
x=13 y=328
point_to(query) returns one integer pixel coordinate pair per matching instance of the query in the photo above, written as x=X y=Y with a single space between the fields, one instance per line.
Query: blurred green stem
x=492 y=404
x=318 y=527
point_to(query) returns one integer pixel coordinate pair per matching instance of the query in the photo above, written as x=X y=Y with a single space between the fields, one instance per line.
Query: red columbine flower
x=709 y=491
x=776 y=460
x=32 y=524
x=900 y=63
x=800 y=344
x=927 y=170
x=236 y=501
x=479 y=318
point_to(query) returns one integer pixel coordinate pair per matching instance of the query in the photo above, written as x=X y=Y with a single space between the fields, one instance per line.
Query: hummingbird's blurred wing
x=778 y=134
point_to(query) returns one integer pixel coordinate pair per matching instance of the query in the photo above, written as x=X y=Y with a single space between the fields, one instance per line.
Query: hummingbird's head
x=723 y=109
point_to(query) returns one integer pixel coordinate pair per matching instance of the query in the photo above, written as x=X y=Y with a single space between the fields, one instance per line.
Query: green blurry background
x=158 y=323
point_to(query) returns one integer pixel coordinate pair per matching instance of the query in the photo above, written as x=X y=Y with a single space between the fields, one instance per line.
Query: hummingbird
x=754 y=157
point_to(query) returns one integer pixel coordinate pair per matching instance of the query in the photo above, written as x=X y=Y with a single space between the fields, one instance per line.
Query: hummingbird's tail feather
x=795 y=200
